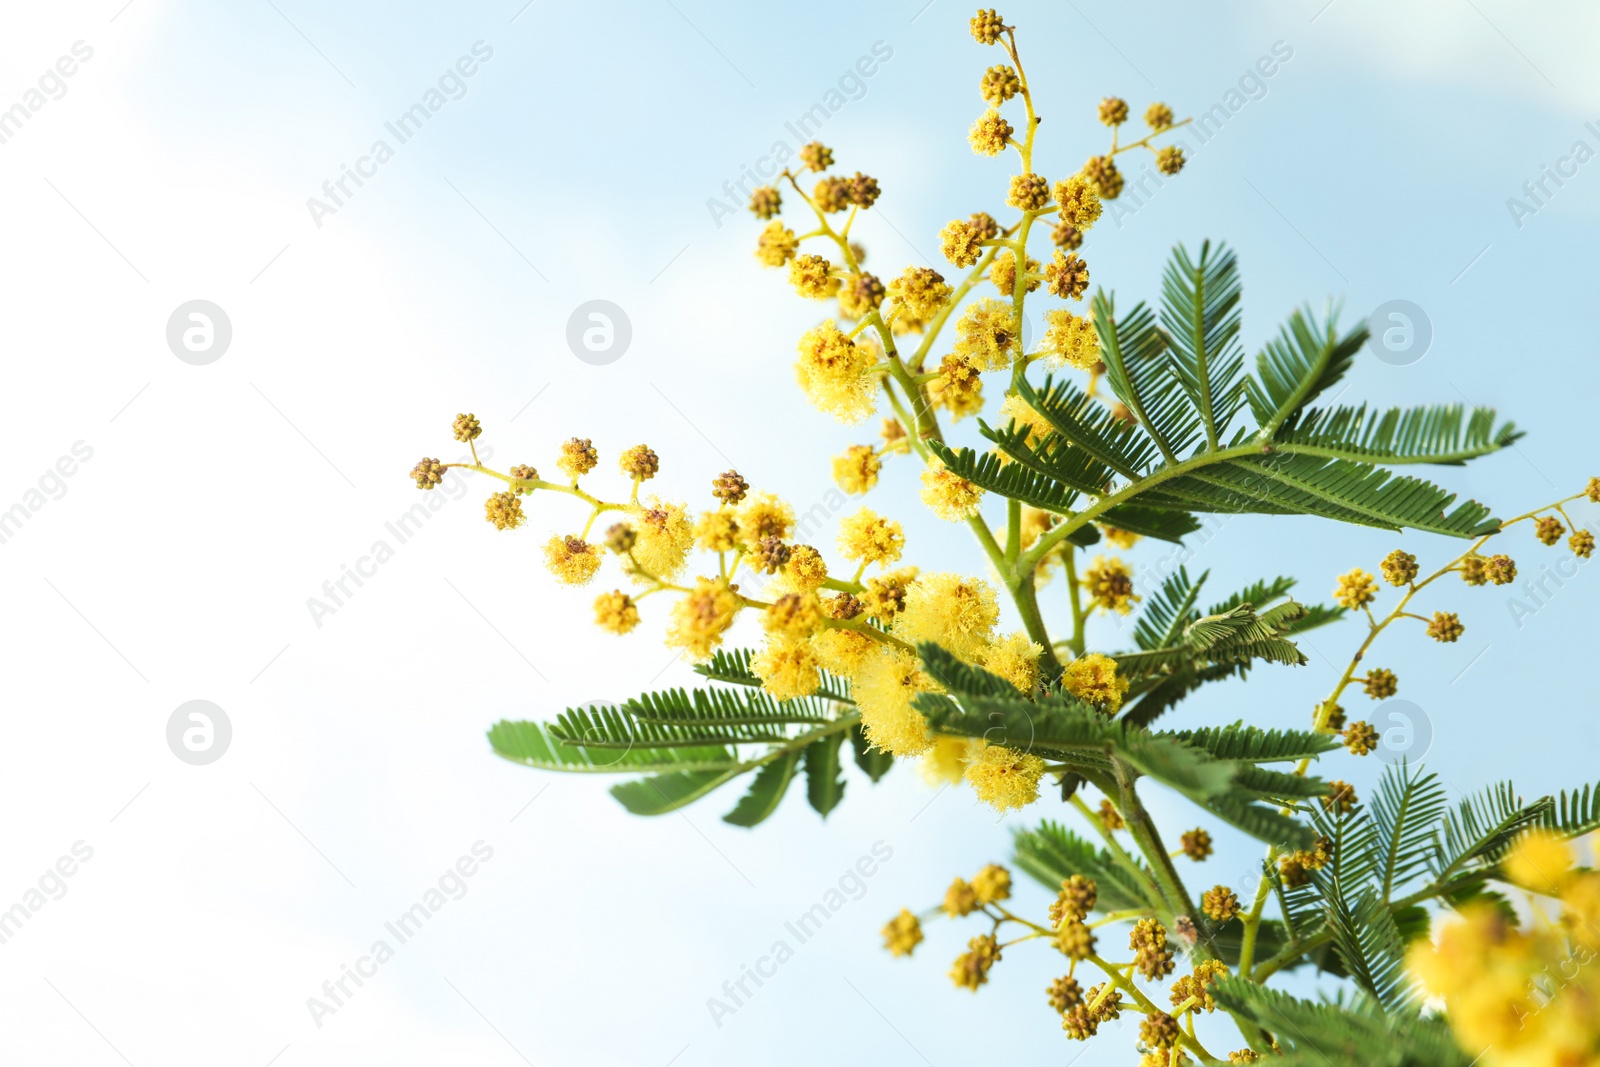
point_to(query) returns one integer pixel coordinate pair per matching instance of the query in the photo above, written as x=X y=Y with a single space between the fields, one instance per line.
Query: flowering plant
x=1119 y=425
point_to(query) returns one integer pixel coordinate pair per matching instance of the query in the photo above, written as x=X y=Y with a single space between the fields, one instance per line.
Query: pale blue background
x=578 y=165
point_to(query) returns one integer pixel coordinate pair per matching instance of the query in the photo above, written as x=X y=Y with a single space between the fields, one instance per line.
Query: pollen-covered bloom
x=504 y=511
x=665 y=536
x=990 y=134
x=1004 y=778
x=1158 y=116
x=640 y=463
x=1071 y=339
x=832 y=370
x=953 y=611
x=960 y=241
x=988 y=334
x=1078 y=201
x=764 y=515
x=921 y=291
x=717 y=531
x=1067 y=276
x=958 y=389
x=1102 y=171
x=616 y=612
x=1355 y=589
x=776 y=245
x=1399 y=567
x=1170 y=160
x=884 y=691
x=856 y=471
x=971 y=968
x=701 y=617
x=947 y=494
x=578 y=457
x=1016 y=659
x=1110 y=585
x=805 y=568
x=870 y=538
x=787 y=668
x=944 y=763
x=571 y=559
x=1094 y=680
x=812 y=276
x=992 y=884
x=1003 y=273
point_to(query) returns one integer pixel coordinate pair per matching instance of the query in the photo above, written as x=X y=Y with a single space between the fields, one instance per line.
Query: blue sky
x=579 y=161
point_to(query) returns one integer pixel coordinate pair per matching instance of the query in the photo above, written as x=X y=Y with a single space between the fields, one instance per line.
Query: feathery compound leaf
x=532 y=745
x=725 y=708
x=1303 y=360
x=1285 y=483
x=1052 y=456
x=662 y=793
x=1255 y=745
x=1574 y=813
x=1167 y=610
x=765 y=793
x=1014 y=481
x=1405 y=811
x=614 y=728
x=1354 y=1034
x=1052 y=854
x=1372 y=949
x=1090 y=425
x=1442 y=433
x=1200 y=314
x=1260 y=821
x=1139 y=373
x=1482 y=827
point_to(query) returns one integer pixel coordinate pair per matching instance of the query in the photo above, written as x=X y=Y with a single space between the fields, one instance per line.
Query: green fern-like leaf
x=1200 y=316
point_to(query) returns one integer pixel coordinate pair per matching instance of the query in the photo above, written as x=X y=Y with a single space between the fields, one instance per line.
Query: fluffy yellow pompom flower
x=947 y=494
x=844 y=652
x=988 y=334
x=883 y=693
x=812 y=276
x=664 y=537
x=1014 y=658
x=856 y=471
x=787 y=669
x=832 y=370
x=764 y=515
x=717 y=531
x=946 y=761
x=1110 y=585
x=921 y=292
x=871 y=538
x=1078 y=200
x=793 y=615
x=616 y=611
x=1070 y=339
x=1539 y=861
x=953 y=611
x=701 y=617
x=805 y=569
x=1004 y=778
x=1093 y=679
x=571 y=559
x=776 y=245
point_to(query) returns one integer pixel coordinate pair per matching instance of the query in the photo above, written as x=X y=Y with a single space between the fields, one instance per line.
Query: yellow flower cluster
x=1523 y=997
